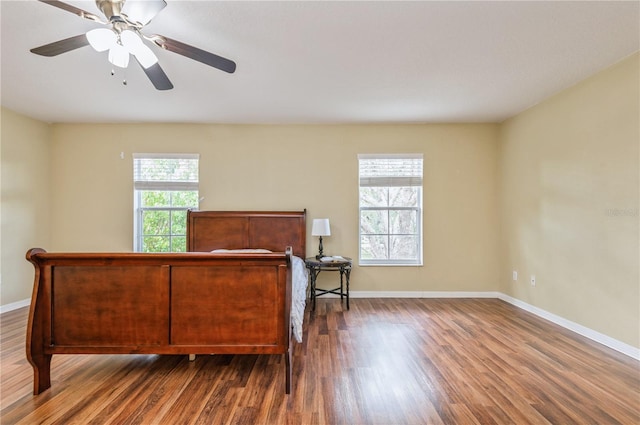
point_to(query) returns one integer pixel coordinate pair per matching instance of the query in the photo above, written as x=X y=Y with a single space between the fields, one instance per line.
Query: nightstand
x=336 y=264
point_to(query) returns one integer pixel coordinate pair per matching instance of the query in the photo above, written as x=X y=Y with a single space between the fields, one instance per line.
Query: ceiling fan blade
x=76 y=11
x=61 y=46
x=157 y=76
x=191 y=52
x=142 y=11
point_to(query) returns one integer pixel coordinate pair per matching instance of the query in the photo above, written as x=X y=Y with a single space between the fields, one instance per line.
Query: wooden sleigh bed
x=196 y=302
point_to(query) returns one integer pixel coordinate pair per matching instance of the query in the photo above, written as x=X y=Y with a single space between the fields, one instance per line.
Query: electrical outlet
x=515 y=275
x=533 y=280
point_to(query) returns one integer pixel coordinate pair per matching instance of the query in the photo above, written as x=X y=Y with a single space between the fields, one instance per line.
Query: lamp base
x=319 y=256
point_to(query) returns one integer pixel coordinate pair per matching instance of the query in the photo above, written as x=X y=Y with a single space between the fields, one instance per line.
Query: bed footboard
x=178 y=303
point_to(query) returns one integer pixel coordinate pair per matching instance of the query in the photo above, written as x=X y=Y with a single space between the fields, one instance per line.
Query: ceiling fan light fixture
x=102 y=39
x=127 y=19
x=119 y=56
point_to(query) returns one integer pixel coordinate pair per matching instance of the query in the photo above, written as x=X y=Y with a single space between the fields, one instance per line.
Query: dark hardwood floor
x=385 y=361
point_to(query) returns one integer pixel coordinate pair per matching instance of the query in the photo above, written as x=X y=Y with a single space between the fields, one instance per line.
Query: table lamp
x=320 y=228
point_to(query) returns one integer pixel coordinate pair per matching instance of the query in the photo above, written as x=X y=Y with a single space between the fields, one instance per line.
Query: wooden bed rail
x=164 y=303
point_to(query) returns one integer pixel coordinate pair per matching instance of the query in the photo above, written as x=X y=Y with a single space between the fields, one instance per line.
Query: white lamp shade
x=130 y=40
x=119 y=56
x=145 y=56
x=321 y=227
x=102 y=39
x=137 y=48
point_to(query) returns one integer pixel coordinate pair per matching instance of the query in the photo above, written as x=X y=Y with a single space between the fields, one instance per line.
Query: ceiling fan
x=123 y=37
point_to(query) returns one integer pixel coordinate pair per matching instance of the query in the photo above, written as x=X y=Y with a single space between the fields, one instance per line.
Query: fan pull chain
x=124 y=80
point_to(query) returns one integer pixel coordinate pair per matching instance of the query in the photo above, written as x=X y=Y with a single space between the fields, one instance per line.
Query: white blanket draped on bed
x=299 y=281
x=298 y=296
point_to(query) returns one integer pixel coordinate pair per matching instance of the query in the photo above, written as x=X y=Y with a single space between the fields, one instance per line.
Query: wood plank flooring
x=385 y=361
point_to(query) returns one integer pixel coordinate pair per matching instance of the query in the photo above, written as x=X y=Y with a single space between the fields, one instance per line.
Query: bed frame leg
x=192 y=357
x=287 y=365
x=41 y=373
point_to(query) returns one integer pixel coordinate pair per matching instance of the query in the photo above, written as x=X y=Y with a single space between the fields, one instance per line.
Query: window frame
x=140 y=186
x=388 y=182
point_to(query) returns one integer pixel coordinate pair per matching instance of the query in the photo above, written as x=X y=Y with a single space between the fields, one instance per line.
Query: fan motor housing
x=110 y=8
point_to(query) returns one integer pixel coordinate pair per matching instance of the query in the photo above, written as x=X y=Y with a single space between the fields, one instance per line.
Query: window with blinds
x=165 y=186
x=390 y=203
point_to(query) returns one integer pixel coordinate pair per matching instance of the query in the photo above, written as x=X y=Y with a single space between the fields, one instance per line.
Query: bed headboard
x=272 y=230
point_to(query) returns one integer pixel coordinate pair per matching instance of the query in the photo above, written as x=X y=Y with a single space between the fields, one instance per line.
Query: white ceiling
x=321 y=61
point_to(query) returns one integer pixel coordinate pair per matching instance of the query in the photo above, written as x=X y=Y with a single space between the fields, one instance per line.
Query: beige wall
x=293 y=167
x=24 y=208
x=569 y=186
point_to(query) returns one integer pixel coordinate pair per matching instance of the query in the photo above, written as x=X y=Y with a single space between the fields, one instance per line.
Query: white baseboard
x=420 y=294
x=575 y=327
x=598 y=337
x=14 y=306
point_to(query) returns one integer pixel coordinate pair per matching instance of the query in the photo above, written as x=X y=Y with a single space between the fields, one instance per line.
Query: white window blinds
x=153 y=171
x=387 y=170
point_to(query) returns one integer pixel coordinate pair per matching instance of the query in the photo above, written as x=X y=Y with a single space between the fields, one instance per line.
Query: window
x=165 y=186
x=390 y=209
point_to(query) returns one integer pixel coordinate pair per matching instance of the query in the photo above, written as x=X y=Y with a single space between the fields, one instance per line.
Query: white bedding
x=298 y=296
x=299 y=280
